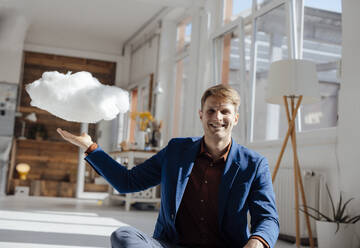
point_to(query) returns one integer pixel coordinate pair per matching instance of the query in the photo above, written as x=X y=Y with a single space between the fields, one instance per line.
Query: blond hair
x=223 y=92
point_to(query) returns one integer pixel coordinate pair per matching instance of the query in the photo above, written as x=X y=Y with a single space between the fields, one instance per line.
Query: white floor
x=42 y=222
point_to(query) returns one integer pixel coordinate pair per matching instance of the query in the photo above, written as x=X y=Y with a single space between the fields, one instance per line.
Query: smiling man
x=208 y=184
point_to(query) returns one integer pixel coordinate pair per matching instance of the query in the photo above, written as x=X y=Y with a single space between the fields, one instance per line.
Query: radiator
x=285 y=201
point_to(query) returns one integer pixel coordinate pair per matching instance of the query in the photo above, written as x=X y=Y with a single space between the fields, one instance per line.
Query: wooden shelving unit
x=53 y=161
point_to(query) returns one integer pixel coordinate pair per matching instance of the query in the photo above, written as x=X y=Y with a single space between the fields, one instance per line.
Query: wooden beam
x=47 y=159
x=32 y=110
x=71 y=66
x=12 y=166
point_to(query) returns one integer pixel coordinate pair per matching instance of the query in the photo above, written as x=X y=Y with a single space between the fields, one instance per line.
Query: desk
x=131 y=159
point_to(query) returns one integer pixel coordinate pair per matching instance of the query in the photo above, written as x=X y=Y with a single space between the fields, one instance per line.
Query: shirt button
x=202 y=218
x=201 y=200
x=205 y=181
x=211 y=164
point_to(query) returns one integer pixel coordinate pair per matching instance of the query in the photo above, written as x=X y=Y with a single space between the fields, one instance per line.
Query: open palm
x=83 y=141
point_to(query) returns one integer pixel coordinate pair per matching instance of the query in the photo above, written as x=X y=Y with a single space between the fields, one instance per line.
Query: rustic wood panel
x=53 y=162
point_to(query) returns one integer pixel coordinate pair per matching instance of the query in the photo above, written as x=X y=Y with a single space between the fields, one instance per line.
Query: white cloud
x=77 y=97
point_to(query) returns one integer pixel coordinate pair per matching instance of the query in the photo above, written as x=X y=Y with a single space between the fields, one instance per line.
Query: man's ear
x=200 y=114
x=236 y=118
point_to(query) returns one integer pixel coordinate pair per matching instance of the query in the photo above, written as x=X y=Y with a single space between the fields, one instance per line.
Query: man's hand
x=83 y=141
x=254 y=243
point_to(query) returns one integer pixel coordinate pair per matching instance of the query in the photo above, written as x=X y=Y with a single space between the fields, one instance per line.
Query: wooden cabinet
x=131 y=159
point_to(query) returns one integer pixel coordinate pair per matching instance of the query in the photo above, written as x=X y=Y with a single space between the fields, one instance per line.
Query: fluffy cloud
x=77 y=97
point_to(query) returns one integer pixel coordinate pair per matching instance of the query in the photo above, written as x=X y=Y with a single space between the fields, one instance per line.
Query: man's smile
x=217 y=126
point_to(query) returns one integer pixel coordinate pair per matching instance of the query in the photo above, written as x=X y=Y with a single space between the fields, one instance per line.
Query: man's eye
x=225 y=112
x=210 y=111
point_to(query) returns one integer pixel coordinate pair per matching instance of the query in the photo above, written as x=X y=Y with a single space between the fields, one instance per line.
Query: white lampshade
x=292 y=77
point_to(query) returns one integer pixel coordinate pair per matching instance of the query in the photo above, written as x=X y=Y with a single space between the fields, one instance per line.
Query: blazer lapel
x=184 y=171
x=230 y=171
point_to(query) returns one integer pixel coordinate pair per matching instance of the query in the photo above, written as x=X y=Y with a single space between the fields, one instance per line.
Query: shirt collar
x=205 y=151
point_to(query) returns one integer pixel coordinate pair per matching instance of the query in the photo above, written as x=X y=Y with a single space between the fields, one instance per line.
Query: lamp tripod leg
x=289 y=131
x=298 y=182
x=296 y=176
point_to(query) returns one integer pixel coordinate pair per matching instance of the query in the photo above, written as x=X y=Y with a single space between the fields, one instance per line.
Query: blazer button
x=172 y=216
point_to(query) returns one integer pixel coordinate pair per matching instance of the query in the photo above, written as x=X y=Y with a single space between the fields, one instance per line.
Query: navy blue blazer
x=245 y=186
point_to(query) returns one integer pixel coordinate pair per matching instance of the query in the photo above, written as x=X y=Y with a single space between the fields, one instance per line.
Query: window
x=183 y=35
x=227 y=53
x=140 y=101
x=232 y=9
x=269 y=120
x=322 y=45
x=318 y=40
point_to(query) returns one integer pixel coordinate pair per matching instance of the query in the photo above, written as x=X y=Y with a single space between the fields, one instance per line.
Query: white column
x=81 y=166
x=12 y=35
x=164 y=101
x=349 y=104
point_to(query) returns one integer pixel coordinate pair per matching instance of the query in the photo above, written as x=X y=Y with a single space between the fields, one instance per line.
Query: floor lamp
x=292 y=83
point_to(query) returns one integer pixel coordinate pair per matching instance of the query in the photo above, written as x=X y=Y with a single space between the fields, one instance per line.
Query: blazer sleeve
x=140 y=177
x=264 y=216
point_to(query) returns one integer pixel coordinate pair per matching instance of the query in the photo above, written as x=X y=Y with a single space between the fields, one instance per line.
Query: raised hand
x=83 y=141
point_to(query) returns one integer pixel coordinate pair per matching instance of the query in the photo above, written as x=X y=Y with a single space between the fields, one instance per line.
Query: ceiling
x=95 y=25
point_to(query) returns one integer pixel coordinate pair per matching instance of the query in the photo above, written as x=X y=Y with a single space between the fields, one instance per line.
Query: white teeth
x=217 y=126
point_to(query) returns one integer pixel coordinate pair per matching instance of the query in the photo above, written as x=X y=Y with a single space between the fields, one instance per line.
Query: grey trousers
x=130 y=237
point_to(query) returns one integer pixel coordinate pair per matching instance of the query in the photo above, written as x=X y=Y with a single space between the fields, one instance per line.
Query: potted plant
x=336 y=230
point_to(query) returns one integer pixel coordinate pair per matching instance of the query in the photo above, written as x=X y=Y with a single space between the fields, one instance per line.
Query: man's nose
x=218 y=115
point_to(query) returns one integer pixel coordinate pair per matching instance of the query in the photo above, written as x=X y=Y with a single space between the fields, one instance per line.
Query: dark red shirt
x=197 y=219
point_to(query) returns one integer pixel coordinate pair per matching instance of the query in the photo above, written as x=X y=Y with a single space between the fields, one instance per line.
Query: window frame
x=294 y=12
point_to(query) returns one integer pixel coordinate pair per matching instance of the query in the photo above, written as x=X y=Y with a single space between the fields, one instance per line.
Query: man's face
x=218 y=118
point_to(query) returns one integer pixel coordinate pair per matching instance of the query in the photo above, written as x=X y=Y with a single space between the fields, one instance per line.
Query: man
x=208 y=184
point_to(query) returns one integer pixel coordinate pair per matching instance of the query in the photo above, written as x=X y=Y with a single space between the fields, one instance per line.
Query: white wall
x=144 y=59
x=12 y=34
x=349 y=105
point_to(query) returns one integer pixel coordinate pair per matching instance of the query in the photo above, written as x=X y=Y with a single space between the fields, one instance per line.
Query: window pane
x=271 y=45
x=183 y=36
x=235 y=8
x=247 y=41
x=329 y=5
x=322 y=45
x=230 y=57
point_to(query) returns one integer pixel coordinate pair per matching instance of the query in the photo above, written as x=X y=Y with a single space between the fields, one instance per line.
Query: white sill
x=324 y=136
